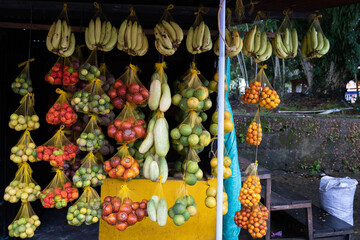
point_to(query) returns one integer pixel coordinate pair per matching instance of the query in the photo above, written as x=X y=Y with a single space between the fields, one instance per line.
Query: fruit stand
x=139 y=136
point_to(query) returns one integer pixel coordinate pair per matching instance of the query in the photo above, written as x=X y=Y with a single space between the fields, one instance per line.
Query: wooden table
x=264 y=174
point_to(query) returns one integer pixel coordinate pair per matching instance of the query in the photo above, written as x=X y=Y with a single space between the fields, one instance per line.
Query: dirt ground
x=297 y=181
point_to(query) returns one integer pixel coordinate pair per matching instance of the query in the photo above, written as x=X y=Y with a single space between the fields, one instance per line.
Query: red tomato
x=125 y=125
x=132 y=219
x=134 y=88
x=120 y=170
x=119 y=136
x=125 y=207
x=115 y=161
x=118 y=124
x=122 y=216
x=112 y=93
x=126 y=161
x=121 y=226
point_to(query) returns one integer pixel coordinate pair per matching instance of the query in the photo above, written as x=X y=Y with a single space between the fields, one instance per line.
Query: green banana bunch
x=233 y=41
x=287 y=45
x=100 y=35
x=198 y=39
x=256 y=45
x=132 y=39
x=60 y=40
x=314 y=44
x=168 y=36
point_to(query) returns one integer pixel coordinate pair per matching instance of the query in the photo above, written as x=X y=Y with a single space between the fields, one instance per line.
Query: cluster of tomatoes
x=58 y=197
x=250 y=192
x=123 y=213
x=55 y=155
x=61 y=113
x=123 y=168
x=252 y=93
x=127 y=131
x=269 y=98
x=254 y=219
x=59 y=75
x=254 y=134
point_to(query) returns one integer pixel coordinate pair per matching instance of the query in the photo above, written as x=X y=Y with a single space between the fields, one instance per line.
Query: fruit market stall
x=120 y=115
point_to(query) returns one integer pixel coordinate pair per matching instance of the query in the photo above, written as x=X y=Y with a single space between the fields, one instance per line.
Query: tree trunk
x=307 y=68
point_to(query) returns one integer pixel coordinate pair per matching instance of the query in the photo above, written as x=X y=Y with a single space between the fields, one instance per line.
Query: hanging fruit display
x=198 y=38
x=234 y=43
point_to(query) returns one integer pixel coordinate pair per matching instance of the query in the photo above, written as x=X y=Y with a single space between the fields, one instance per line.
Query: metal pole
x=220 y=142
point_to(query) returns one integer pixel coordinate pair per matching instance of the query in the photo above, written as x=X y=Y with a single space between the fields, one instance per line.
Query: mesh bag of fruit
x=131 y=37
x=23 y=84
x=106 y=77
x=92 y=99
x=314 y=44
x=25 y=222
x=226 y=162
x=122 y=165
x=57 y=149
x=254 y=131
x=192 y=93
x=59 y=192
x=128 y=125
x=61 y=112
x=117 y=93
x=24 y=150
x=168 y=34
x=90 y=173
x=190 y=133
x=157 y=205
x=25 y=116
x=23 y=186
x=90 y=70
x=62 y=73
x=92 y=138
x=192 y=172
x=269 y=98
x=228 y=124
x=213 y=84
x=87 y=209
x=160 y=94
x=135 y=91
x=198 y=39
x=250 y=191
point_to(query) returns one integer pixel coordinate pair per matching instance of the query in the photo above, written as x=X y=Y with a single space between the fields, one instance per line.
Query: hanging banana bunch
x=100 y=34
x=285 y=44
x=234 y=43
x=198 y=39
x=168 y=34
x=314 y=43
x=60 y=40
x=131 y=38
x=256 y=45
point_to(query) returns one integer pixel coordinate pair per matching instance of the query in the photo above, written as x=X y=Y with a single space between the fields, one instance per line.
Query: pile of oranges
x=252 y=94
x=269 y=98
x=250 y=192
x=254 y=134
x=254 y=219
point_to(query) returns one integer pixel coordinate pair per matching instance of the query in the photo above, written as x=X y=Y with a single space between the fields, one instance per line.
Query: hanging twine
x=287 y=12
x=171 y=6
x=25 y=62
x=315 y=15
x=252 y=6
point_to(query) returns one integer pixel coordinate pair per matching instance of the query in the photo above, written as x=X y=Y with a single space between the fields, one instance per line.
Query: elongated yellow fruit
x=295 y=42
x=97 y=30
x=57 y=35
x=128 y=35
x=250 y=39
x=50 y=36
x=257 y=41
x=179 y=32
x=189 y=40
x=92 y=32
x=134 y=32
x=121 y=34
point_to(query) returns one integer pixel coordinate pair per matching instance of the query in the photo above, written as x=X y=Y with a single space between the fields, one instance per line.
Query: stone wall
x=316 y=143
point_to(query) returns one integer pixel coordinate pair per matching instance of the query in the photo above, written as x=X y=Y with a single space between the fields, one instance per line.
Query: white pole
x=220 y=142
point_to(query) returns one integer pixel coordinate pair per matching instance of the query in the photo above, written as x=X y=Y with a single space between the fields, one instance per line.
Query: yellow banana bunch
x=132 y=39
x=233 y=41
x=198 y=39
x=256 y=45
x=100 y=35
x=168 y=36
x=314 y=44
x=287 y=45
x=60 y=40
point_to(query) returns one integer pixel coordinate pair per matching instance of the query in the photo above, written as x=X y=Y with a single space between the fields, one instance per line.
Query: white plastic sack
x=337 y=197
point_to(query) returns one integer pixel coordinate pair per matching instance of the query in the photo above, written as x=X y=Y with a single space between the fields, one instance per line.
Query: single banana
x=162 y=50
x=128 y=44
x=263 y=44
x=57 y=35
x=179 y=32
x=134 y=31
x=286 y=41
x=165 y=37
x=295 y=42
x=320 y=39
x=194 y=39
x=250 y=39
x=108 y=30
x=235 y=40
x=71 y=47
x=279 y=46
x=111 y=44
x=267 y=53
x=314 y=38
x=158 y=35
x=245 y=52
x=228 y=38
x=309 y=43
x=139 y=39
x=121 y=36
x=326 y=47
x=216 y=47
x=97 y=30
x=304 y=48
x=49 y=37
x=189 y=40
x=257 y=41
x=208 y=46
x=238 y=49
x=275 y=50
x=207 y=38
x=87 y=41
x=144 y=47
x=200 y=34
x=92 y=32
x=64 y=36
x=170 y=30
x=103 y=31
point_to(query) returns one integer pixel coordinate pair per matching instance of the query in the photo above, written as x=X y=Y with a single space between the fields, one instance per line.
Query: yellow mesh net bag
x=25 y=222
x=25 y=116
x=24 y=150
x=92 y=138
x=22 y=83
